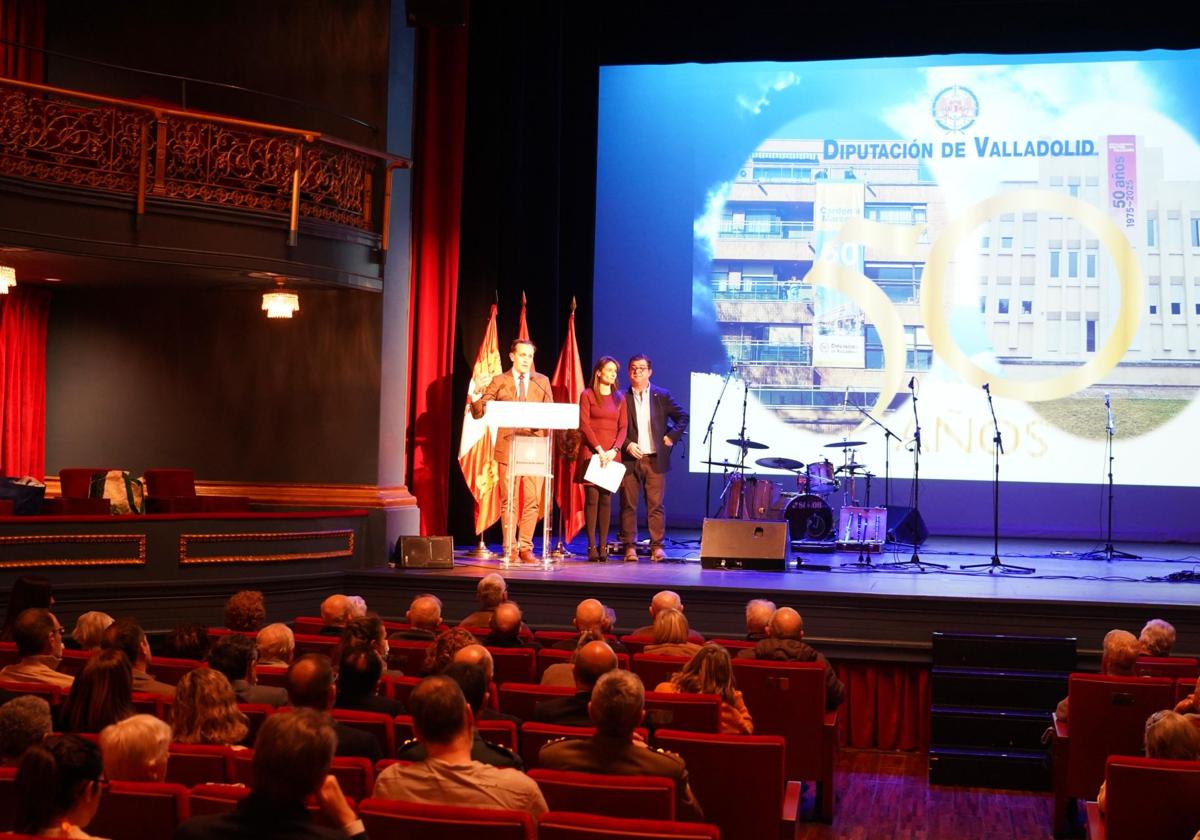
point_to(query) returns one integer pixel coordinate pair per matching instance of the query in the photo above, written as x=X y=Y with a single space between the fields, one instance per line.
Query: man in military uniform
x=617 y=708
x=473 y=682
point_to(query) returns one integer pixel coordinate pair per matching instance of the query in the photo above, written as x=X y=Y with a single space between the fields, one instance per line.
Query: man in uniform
x=617 y=708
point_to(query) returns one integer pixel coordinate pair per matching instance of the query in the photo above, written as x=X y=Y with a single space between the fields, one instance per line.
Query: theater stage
x=851 y=611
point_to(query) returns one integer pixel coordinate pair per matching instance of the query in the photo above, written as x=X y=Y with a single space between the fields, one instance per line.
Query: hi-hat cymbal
x=843 y=444
x=780 y=464
x=746 y=443
x=727 y=465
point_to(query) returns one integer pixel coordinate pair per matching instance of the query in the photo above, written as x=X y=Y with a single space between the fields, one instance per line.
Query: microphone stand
x=708 y=438
x=997 y=451
x=1108 y=552
x=915 y=561
x=887 y=451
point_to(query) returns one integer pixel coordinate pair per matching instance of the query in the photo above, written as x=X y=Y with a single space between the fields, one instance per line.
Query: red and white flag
x=523 y=329
x=476 y=450
x=567 y=386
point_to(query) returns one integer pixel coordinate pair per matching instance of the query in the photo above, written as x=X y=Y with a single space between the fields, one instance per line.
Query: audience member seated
x=205 y=710
x=335 y=612
x=590 y=614
x=358 y=681
x=617 y=709
x=28 y=592
x=666 y=600
x=245 y=611
x=187 y=641
x=1190 y=705
x=481 y=657
x=785 y=643
x=711 y=672
x=276 y=645
x=358 y=606
x=1117 y=660
x=563 y=673
x=234 y=656
x=491 y=592
x=89 y=629
x=367 y=633
x=1168 y=735
x=758 y=615
x=670 y=635
x=508 y=629
x=127 y=637
x=450 y=775
x=310 y=682
x=424 y=617
x=442 y=649
x=39 y=642
x=24 y=721
x=101 y=695
x=474 y=684
x=58 y=788
x=1156 y=639
x=136 y=749
x=592 y=661
x=292 y=756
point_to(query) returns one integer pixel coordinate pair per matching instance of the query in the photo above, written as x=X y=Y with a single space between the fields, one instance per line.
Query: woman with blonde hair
x=710 y=671
x=205 y=710
x=89 y=628
x=671 y=635
x=1169 y=735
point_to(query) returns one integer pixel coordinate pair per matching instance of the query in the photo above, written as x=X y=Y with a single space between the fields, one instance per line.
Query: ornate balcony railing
x=112 y=145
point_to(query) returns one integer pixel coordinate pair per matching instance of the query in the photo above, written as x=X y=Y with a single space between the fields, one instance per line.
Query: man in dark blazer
x=656 y=423
x=520 y=383
x=592 y=661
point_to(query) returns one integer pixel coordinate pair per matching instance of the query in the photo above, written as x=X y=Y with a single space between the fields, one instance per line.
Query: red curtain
x=886 y=707
x=24 y=312
x=440 y=120
x=24 y=22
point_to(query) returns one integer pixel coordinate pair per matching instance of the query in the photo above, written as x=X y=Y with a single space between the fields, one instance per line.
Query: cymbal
x=724 y=464
x=851 y=468
x=843 y=444
x=746 y=443
x=780 y=463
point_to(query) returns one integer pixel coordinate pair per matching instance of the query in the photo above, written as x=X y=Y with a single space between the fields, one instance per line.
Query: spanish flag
x=476 y=451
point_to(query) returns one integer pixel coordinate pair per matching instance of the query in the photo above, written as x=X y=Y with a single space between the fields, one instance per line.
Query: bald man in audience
x=590 y=615
x=424 y=617
x=335 y=612
x=1117 y=660
x=666 y=600
x=593 y=660
x=785 y=643
x=758 y=615
x=449 y=775
x=616 y=709
x=311 y=685
x=507 y=627
x=480 y=656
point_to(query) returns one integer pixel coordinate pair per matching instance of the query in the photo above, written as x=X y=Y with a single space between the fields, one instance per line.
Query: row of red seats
x=1147 y=797
x=167 y=491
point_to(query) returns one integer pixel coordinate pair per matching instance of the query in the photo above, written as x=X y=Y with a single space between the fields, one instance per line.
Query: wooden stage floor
x=863 y=612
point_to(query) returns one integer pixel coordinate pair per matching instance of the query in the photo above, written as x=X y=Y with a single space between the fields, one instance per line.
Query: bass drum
x=809 y=518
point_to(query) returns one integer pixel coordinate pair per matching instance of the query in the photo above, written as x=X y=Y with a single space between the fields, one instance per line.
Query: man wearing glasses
x=39 y=641
x=656 y=423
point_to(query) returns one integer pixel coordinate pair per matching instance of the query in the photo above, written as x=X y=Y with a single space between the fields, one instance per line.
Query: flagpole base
x=481 y=552
x=561 y=552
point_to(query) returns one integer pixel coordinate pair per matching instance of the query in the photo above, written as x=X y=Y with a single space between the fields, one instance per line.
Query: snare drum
x=809 y=518
x=820 y=478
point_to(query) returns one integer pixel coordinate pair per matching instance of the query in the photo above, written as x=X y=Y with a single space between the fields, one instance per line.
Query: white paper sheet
x=608 y=477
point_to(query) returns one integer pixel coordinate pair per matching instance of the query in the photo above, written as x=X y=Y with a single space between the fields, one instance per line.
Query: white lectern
x=530 y=456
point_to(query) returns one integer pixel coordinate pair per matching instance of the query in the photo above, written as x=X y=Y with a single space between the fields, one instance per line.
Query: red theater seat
x=387 y=818
x=169 y=670
x=502 y=732
x=174 y=491
x=9 y=654
x=534 y=736
x=564 y=825
x=323 y=645
x=207 y=800
x=272 y=675
x=517 y=665
x=634 y=797
x=73 y=661
x=196 y=764
x=75 y=490
x=158 y=705
x=52 y=694
x=1172 y=667
x=694 y=712
x=655 y=669
x=140 y=810
x=398 y=688
x=380 y=726
x=1107 y=717
x=729 y=772
x=550 y=656
x=355 y=775
x=1148 y=797
x=407 y=657
x=256 y=713
x=519 y=700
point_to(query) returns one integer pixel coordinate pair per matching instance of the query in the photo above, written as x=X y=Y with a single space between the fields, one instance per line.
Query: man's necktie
x=521 y=388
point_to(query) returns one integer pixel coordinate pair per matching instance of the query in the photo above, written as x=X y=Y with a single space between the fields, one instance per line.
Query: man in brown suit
x=521 y=383
x=617 y=708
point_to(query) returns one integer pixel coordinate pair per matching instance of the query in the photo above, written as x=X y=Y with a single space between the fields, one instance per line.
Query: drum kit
x=806 y=508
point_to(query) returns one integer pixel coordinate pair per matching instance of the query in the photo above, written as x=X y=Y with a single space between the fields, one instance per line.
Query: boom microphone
x=846 y=398
x=911 y=381
x=1112 y=427
x=986 y=388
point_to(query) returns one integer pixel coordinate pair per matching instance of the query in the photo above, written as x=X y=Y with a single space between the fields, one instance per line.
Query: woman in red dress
x=602 y=431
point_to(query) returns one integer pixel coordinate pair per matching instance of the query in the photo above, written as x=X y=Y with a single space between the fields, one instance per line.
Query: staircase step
x=1003 y=729
x=1035 y=653
x=1008 y=769
x=1003 y=689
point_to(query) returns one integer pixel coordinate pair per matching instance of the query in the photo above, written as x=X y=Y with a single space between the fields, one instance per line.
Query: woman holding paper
x=602 y=419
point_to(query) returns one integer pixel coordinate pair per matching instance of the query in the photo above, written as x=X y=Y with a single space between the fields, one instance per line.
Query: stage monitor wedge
x=425 y=553
x=744 y=544
x=906 y=525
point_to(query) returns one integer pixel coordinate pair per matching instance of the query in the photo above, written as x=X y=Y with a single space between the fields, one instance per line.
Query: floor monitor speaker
x=425 y=553
x=744 y=544
x=904 y=524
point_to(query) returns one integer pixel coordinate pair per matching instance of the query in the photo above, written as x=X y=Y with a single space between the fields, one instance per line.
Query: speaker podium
x=760 y=545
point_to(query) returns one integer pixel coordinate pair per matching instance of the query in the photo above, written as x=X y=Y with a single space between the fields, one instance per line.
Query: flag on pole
x=476 y=451
x=567 y=386
x=523 y=328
